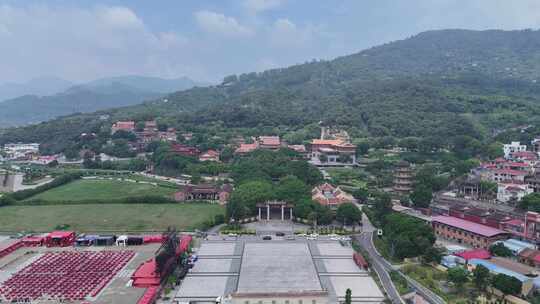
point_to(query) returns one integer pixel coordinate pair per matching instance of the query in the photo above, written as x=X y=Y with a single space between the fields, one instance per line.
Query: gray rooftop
x=277 y=267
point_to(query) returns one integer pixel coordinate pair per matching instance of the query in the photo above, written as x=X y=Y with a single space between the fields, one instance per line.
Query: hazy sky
x=207 y=39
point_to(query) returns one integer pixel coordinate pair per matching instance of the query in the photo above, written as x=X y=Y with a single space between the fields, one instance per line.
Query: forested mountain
x=89 y=97
x=144 y=83
x=438 y=84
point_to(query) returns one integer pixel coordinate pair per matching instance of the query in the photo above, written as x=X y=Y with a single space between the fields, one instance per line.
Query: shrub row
x=24 y=194
x=145 y=199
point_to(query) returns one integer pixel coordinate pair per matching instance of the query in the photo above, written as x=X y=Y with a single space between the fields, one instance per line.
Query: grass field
x=114 y=217
x=85 y=189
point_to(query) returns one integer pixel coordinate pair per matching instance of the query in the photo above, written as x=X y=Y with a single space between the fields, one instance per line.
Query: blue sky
x=208 y=39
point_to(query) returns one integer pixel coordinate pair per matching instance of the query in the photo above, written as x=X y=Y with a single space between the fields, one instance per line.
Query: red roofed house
x=210 y=155
x=530 y=257
x=501 y=175
x=466 y=232
x=184 y=150
x=246 y=148
x=204 y=192
x=507 y=192
x=128 y=126
x=328 y=195
x=269 y=142
x=524 y=156
x=332 y=151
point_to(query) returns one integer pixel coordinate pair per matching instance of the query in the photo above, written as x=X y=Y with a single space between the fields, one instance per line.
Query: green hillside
x=438 y=84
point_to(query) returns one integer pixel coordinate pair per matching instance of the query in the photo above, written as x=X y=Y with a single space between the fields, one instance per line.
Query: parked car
x=290 y=237
x=280 y=234
x=267 y=238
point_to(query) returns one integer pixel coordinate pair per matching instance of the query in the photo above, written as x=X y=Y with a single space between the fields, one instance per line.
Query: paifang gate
x=275 y=205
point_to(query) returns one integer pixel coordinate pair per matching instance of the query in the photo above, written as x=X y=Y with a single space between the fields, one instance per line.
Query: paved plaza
x=277 y=267
x=250 y=265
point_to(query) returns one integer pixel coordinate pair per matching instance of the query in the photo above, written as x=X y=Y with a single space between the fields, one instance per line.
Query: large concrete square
x=361 y=286
x=217 y=248
x=333 y=248
x=203 y=287
x=212 y=265
x=277 y=267
x=338 y=266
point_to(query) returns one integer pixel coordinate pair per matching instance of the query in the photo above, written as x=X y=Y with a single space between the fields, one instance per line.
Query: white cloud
x=256 y=6
x=119 y=17
x=285 y=33
x=217 y=23
x=86 y=43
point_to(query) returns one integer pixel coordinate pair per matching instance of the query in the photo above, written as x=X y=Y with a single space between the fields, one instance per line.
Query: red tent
x=9 y=247
x=185 y=241
x=60 y=239
x=149 y=296
x=156 y=238
x=146 y=275
x=33 y=241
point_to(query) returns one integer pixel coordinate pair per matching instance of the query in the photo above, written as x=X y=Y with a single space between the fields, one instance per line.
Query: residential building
x=128 y=126
x=204 y=192
x=528 y=157
x=332 y=152
x=21 y=151
x=328 y=195
x=508 y=175
x=466 y=232
x=403 y=178
x=530 y=257
x=210 y=155
x=536 y=145
x=514 y=146
x=533 y=181
x=512 y=192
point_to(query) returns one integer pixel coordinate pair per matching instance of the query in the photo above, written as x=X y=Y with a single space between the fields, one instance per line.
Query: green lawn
x=84 y=189
x=114 y=217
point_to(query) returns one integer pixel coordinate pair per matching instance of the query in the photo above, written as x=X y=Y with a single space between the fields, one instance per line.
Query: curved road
x=383 y=267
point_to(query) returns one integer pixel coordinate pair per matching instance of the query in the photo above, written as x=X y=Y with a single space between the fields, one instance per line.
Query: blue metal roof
x=497 y=269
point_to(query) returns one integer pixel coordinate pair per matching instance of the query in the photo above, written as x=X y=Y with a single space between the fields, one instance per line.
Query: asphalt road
x=383 y=267
x=377 y=262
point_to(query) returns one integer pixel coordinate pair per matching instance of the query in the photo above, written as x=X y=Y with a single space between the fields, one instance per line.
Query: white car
x=335 y=238
x=232 y=235
x=311 y=238
x=302 y=235
x=346 y=238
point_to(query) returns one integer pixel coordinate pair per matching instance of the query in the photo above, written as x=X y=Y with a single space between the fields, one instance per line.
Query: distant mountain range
x=46 y=98
x=41 y=86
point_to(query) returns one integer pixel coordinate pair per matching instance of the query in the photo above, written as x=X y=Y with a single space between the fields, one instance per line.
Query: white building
x=515 y=146
x=21 y=150
x=507 y=192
